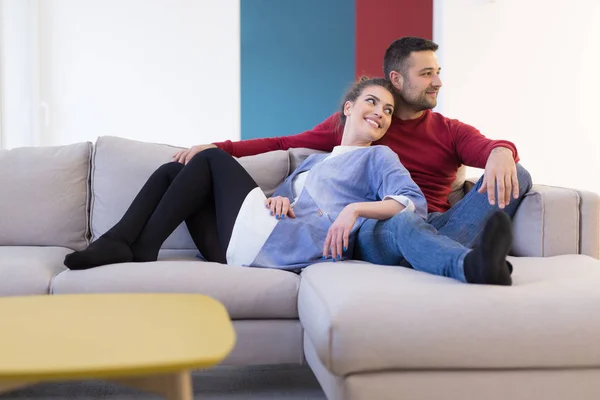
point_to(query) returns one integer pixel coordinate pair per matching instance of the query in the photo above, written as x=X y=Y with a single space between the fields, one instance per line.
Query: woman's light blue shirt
x=368 y=174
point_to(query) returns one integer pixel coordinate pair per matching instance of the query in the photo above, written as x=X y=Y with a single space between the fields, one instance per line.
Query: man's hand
x=500 y=171
x=280 y=207
x=184 y=156
x=337 y=238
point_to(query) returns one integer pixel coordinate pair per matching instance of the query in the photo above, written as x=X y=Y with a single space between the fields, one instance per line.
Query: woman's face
x=370 y=115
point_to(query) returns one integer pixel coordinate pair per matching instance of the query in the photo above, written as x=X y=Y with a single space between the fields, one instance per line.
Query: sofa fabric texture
x=377 y=318
x=28 y=270
x=44 y=196
x=247 y=293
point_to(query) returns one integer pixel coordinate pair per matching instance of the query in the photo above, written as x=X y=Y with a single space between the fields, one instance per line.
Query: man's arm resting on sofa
x=323 y=137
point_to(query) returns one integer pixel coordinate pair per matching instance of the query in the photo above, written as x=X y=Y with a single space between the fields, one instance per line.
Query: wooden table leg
x=175 y=386
x=181 y=388
x=7 y=386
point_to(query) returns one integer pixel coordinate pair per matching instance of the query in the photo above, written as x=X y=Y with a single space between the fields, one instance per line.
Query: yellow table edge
x=102 y=372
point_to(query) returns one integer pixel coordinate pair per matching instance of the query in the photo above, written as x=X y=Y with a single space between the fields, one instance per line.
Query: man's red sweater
x=432 y=148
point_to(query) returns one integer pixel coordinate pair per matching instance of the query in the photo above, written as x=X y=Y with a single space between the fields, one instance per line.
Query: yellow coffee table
x=146 y=341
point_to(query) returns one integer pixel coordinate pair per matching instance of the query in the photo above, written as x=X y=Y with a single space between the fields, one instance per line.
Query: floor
x=220 y=383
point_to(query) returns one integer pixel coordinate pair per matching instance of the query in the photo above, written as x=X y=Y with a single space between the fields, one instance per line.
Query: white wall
x=18 y=122
x=527 y=71
x=153 y=70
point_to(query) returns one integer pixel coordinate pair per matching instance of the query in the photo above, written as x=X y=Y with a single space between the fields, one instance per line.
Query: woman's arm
x=338 y=236
x=376 y=209
x=391 y=179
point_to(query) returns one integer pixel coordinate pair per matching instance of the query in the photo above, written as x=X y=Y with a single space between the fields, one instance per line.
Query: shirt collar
x=339 y=150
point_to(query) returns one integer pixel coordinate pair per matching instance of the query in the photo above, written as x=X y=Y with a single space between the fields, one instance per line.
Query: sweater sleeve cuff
x=507 y=145
x=226 y=146
x=405 y=201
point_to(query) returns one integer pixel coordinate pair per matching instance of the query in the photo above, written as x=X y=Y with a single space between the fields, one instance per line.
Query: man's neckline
x=409 y=121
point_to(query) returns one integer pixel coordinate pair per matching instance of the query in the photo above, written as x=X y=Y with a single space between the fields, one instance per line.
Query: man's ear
x=397 y=80
x=347 y=107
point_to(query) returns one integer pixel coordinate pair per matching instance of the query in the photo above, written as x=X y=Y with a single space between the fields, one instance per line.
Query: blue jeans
x=439 y=244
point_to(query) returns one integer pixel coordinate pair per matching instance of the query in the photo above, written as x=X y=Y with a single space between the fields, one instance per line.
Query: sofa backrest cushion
x=120 y=167
x=44 y=196
x=298 y=155
x=458 y=186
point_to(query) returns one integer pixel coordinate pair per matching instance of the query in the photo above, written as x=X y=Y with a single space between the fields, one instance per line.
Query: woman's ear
x=397 y=80
x=347 y=107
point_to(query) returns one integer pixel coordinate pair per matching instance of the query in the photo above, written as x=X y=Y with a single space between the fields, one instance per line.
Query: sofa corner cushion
x=44 y=196
x=120 y=167
x=365 y=318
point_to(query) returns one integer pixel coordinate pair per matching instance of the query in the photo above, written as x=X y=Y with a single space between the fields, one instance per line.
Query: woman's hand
x=280 y=207
x=337 y=238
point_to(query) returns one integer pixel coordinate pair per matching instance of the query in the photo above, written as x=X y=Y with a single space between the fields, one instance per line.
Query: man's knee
x=405 y=223
x=408 y=217
x=390 y=225
x=525 y=181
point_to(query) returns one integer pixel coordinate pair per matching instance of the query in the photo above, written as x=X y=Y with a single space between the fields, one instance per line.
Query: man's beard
x=419 y=103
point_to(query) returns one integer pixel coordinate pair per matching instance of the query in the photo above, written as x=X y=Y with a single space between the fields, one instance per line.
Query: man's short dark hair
x=397 y=54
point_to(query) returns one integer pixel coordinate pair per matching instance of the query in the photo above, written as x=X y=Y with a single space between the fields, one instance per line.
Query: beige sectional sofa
x=367 y=331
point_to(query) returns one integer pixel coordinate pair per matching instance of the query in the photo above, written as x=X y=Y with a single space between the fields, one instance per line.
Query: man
x=432 y=147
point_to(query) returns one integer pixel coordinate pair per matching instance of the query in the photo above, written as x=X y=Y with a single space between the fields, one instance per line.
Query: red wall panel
x=380 y=22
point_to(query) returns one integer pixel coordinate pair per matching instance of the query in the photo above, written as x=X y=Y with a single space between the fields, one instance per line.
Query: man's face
x=421 y=82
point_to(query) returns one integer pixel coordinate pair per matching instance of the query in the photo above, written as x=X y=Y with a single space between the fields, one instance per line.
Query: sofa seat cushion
x=246 y=292
x=28 y=270
x=361 y=317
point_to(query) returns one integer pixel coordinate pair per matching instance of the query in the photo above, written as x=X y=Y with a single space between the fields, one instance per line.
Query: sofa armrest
x=590 y=223
x=547 y=223
x=552 y=221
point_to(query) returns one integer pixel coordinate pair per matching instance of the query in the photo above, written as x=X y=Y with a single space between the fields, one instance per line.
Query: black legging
x=206 y=193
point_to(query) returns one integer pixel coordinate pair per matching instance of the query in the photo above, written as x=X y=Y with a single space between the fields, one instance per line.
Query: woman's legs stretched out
x=207 y=194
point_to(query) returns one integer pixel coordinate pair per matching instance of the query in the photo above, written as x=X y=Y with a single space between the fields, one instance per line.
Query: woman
x=221 y=203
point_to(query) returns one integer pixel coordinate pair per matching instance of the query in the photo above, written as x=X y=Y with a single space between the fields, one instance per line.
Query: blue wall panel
x=297 y=60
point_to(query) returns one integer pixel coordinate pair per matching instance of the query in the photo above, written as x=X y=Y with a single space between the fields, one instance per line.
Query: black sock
x=103 y=251
x=486 y=263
